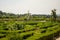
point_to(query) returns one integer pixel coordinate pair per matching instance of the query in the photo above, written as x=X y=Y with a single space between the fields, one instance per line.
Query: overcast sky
x=34 y=6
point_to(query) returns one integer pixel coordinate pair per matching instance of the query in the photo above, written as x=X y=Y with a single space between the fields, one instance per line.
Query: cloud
x=35 y=6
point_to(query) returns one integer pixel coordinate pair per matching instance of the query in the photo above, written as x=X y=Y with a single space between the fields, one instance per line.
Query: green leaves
x=28 y=30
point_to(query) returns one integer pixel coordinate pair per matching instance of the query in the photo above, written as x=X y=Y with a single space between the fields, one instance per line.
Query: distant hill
x=4 y=14
x=11 y=15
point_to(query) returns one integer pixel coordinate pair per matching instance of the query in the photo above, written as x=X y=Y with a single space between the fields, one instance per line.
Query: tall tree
x=54 y=14
x=27 y=16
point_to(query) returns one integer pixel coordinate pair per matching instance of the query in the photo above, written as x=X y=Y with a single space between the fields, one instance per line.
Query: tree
x=54 y=14
x=0 y=12
x=27 y=17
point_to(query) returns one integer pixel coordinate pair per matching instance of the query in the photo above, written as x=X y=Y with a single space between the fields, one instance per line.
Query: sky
x=34 y=6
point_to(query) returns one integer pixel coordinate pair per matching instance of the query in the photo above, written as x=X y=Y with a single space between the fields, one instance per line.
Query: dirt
x=58 y=38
